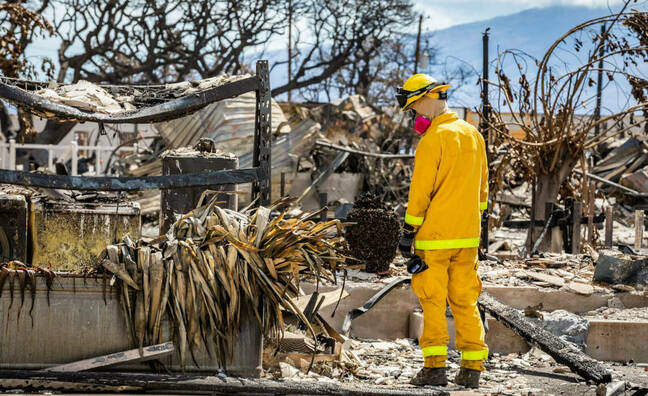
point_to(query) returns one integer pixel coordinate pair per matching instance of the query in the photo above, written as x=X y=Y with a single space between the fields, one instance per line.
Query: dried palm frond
x=213 y=264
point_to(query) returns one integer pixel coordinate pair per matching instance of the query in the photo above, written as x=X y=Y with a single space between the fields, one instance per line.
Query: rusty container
x=70 y=235
x=13 y=228
x=84 y=320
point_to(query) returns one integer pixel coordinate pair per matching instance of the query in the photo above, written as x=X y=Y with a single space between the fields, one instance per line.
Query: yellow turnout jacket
x=449 y=186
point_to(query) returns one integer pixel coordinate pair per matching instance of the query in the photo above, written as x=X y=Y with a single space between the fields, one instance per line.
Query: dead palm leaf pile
x=213 y=264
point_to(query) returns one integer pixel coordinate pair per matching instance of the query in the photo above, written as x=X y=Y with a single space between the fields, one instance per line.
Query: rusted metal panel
x=70 y=235
x=129 y=183
x=230 y=123
x=261 y=154
x=78 y=324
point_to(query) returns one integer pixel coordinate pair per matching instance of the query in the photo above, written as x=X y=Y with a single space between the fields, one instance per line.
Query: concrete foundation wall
x=78 y=324
x=394 y=317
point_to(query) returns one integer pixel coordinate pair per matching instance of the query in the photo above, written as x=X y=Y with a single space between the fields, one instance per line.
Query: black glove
x=416 y=265
x=406 y=240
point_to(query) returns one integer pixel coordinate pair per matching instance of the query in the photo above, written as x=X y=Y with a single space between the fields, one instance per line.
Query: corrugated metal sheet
x=229 y=122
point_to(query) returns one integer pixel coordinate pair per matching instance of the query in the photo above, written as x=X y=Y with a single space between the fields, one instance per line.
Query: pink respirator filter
x=421 y=124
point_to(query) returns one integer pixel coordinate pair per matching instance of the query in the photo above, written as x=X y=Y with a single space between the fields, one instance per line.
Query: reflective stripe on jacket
x=449 y=186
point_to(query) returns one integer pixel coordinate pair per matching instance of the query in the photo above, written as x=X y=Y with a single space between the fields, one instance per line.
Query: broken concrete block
x=566 y=325
x=415 y=324
x=580 y=288
x=615 y=302
x=618 y=269
x=288 y=371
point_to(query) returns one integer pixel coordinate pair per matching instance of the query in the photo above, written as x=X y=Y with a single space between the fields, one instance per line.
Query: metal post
x=590 y=212
x=283 y=184
x=599 y=86
x=12 y=154
x=262 y=136
x=50 y=159
x=609 y=224
x=418 y=44
x=289 y=50
x=98 y=161
x=323 y=202
x=75 y=159
x=484 y=131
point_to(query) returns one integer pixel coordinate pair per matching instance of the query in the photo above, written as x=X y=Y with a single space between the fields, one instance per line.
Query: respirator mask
x=421 y=124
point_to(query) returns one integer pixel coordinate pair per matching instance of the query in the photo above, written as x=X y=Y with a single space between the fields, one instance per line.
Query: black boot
x=468 y=378
x=430 y=376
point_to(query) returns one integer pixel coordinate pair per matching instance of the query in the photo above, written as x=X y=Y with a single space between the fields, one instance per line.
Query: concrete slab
x=501 y=339
x=393 y=318
x=388 y=319
x=618 y=341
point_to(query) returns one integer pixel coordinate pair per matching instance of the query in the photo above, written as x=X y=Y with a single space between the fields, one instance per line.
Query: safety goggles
x=402 y=95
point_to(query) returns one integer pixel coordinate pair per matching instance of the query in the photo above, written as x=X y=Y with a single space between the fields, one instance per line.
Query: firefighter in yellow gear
x=448 y=192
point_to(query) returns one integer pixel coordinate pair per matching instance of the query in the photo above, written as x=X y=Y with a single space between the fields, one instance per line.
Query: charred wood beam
x=184 y=384
x=164 y=111
x=331 y=146
x=235 y=176
x=523 y=224
x=562 y=352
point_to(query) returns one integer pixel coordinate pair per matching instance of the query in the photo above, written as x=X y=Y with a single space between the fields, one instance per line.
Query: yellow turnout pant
x=451 y=276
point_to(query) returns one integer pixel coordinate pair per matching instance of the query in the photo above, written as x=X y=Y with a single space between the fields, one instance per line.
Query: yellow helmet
x=417 y=86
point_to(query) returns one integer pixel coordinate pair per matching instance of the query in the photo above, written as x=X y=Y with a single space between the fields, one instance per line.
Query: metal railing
x=8 y=154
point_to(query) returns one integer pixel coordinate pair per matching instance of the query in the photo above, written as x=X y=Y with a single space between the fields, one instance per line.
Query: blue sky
x=441 y=14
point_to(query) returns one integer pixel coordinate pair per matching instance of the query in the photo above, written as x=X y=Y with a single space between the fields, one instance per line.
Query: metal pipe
x=484 y=129
x=418 y=44
x=75 y=158
x=12 y=154
x=599 y=86
x=363 y=153
x=613 y=184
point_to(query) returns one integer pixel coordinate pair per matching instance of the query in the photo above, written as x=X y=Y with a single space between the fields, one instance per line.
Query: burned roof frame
x=259 y=174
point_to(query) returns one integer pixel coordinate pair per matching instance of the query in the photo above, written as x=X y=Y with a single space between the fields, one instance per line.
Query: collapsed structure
x=560 y=306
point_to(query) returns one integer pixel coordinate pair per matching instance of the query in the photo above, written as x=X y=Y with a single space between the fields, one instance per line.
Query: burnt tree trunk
x=547 y=190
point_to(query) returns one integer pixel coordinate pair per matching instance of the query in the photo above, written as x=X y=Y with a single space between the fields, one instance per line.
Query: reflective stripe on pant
x=451 y=276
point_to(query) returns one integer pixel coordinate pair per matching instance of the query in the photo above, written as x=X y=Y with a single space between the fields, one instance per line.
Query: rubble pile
x=353 y=124
x=394 y=363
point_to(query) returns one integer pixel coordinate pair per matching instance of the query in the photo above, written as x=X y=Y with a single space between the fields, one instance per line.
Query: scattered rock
x=615 y=302
x=566 y=325
x=615 y=267
x=580 y=288
x=623 y=288
x=288 y=371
